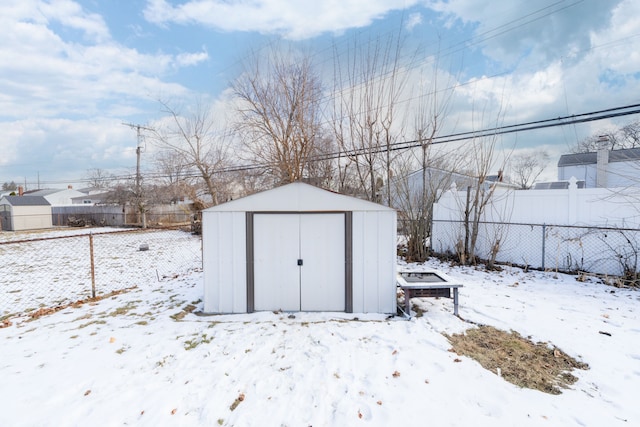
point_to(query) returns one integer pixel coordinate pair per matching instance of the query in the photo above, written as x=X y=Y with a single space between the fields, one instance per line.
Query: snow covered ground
x=141 y=359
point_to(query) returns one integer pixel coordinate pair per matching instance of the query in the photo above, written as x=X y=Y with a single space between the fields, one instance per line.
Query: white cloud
x=294 y=20
x=67 y=13
x=414 y=20
x=65 y=87
x=520 y=29
x=70 y=14
x=616 y=46
x=188 y=59
x=53 y=146
x=59 y=76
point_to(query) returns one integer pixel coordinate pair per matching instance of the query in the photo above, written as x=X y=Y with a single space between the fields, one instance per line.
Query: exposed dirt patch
x=518 y=360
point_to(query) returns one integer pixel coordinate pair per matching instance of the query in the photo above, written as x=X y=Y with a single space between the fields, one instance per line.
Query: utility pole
x=140 y=208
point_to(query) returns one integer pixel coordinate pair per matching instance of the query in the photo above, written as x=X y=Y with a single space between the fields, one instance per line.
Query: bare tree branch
x=198 y=144
x=279 y=113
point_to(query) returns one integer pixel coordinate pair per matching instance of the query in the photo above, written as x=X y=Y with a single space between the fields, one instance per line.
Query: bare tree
x=173 y=175
x=527 y=167
x=417 y=192
x=279 y=105
x=99 y=178
x=368 y=82
x=322 y=165
x=121 y=194
x=483 y=157
x=630 y=134
x=592 y=143
x=627 y=136
x=9 y=186
x=197 y=144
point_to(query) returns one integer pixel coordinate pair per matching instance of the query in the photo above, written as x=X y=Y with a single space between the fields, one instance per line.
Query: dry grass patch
x=181 y=314
x=518 y=360
x=45 y=311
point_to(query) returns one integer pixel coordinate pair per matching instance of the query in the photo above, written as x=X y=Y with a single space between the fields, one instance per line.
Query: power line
x=409 y=144
x=449 y=138
x=502 y=130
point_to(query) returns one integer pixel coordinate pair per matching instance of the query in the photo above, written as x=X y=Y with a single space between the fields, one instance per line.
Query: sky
x=72 y=72
x=145 y=358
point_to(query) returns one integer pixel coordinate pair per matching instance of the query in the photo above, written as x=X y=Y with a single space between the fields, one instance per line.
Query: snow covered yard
x=146 y=357
x=53 y=267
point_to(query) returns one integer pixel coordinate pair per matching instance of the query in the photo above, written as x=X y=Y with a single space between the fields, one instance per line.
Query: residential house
x=56 y=197
x=602 y=169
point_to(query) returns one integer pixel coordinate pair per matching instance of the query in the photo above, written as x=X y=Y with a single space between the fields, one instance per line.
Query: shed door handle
x=299 y=262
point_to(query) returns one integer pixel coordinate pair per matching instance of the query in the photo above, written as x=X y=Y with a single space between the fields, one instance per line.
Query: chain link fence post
x=93 y=269
x=544 y=233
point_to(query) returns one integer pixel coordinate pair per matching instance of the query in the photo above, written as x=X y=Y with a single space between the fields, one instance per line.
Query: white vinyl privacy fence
x=595 y=230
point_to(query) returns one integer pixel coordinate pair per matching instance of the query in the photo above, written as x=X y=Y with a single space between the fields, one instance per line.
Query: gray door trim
x=348 y=253
x=348 y=262
x=250 y=271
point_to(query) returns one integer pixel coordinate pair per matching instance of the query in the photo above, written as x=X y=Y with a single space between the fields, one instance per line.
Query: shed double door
x=299 y=262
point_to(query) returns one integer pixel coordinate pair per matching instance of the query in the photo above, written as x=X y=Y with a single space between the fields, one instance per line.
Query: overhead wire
x=410 y=144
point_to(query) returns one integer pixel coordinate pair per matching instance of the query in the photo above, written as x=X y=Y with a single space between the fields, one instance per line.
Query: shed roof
x=591 y=158
x=297 y=197
x=26 y=201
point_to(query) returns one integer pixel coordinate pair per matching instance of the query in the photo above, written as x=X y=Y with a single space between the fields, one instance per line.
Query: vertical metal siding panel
x=238 y=266
x=371 y=260
x=374 y=255
x=209 y=257
x=223 y=262
x=225 y=239
x=386 y=262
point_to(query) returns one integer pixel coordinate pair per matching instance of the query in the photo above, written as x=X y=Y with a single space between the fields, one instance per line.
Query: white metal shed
x=299 y=248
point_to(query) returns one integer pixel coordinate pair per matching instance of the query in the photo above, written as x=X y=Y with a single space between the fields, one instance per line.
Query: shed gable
x=297 y=197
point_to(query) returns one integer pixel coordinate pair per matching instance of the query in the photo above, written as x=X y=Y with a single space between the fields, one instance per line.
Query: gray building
x=602 y=169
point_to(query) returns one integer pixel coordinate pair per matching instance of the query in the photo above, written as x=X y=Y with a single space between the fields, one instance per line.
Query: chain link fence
x=53 y=268
x=601 y=250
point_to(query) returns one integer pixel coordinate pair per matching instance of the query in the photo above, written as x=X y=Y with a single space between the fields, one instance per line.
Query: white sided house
x=56 y=197
x=299 y=248
x=602 y=169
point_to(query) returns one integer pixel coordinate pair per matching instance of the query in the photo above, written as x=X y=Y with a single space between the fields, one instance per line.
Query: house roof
x=43 y=192
x=95 y=196
x=26 y=200
x=591 y=158
x=460 y=178
x=93 y=190
x=297 y=197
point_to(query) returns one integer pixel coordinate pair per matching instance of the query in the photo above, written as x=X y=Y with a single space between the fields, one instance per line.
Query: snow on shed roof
x=27 y=200
x=297 y=197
